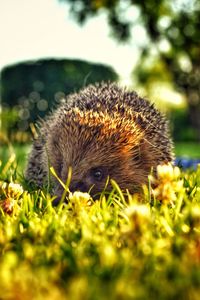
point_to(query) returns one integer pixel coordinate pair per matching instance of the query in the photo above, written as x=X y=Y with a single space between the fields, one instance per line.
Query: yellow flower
x=9 y=194
x=8 y=205
x=15 y=190
x=80 y=199
x=168 y=172
x=139 y=217
x=167 y=184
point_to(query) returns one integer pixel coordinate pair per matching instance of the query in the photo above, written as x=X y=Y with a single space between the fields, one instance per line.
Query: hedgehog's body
x=101 y=131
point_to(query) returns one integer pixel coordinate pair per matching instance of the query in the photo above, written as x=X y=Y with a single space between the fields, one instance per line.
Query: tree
x=173 y=32
x=34 y=87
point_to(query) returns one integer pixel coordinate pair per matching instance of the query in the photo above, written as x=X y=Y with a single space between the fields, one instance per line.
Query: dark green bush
x=33 y=88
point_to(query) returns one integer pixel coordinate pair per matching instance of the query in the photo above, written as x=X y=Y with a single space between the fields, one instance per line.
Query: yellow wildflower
x=167 y=184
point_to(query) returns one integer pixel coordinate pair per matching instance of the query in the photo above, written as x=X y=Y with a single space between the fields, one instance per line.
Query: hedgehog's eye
x=97 y=174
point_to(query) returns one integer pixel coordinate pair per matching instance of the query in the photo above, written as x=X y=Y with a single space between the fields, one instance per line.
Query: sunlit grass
x=119 y=247
x=18 y=152
x=189 y=150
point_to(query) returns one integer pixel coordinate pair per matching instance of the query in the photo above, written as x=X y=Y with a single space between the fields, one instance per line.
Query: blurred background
x=50 y=48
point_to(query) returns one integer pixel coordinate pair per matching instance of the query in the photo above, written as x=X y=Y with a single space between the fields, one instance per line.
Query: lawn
x=118 y=247
x=18 y=153
x=189 y=150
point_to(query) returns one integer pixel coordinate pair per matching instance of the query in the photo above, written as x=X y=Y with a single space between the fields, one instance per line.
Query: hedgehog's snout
x=74 y=186
x=78 y=186
x=92 y=182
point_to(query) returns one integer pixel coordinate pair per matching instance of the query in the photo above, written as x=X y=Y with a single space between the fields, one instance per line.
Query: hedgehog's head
x=99 y=146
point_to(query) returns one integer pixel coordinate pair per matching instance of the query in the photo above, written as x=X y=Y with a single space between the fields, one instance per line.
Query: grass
x=18 y=153
x=190 y=150
x=145 y=247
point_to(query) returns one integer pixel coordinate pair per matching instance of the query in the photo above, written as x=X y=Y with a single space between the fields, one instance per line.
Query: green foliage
x=8 y=119
x=181 y=126
x=172 y=39
x=82 y=10
x=16 y=156
x=33 y=88
x=186 y=149
x=133 y=247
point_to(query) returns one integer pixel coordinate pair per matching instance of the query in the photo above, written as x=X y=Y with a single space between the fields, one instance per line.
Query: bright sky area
x=36 y=29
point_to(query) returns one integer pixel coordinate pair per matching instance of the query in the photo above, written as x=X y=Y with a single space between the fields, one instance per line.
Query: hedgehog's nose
x=78 y=186
x=74 y=186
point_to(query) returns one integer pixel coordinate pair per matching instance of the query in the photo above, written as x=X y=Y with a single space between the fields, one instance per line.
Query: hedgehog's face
x=99 y=148
x=91 y=175
x=95 y=178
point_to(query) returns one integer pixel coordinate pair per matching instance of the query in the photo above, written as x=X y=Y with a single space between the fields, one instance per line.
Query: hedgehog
x=103 y=132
